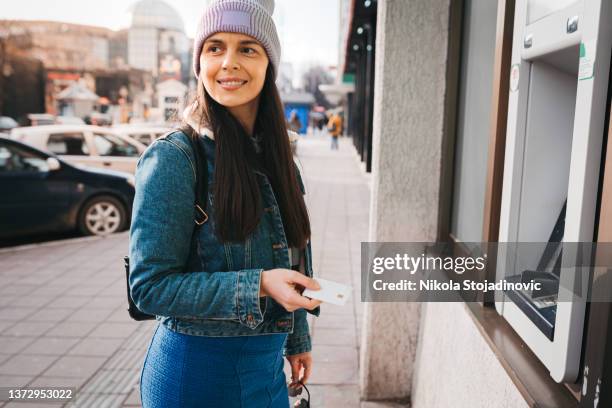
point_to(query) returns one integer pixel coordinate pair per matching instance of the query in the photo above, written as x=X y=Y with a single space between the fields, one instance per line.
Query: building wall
x=454 y=365
x=61 y=46
x=422 y=352
x=409 y=96
x=142 y=49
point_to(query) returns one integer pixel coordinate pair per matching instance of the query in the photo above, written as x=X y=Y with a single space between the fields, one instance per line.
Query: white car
x=84 y=145
x=145 y=134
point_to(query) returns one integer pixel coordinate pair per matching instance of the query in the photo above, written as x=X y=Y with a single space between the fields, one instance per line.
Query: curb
x=56 y=243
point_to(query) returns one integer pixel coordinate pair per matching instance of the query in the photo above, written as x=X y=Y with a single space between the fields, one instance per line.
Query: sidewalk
x=62 y=305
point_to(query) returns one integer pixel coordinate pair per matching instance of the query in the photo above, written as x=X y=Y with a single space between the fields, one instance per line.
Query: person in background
x=321 y=124
x=294 y=122
x=334 y=126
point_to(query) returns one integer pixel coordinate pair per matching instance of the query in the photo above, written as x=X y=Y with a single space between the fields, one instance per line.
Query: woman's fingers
x=301 y=302
x=298 y=362
x=312 y=303
x=305 y=281
x=306 y=362
x=295 y=369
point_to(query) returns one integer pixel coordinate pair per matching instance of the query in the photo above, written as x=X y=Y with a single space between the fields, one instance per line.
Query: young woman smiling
x=227 y=293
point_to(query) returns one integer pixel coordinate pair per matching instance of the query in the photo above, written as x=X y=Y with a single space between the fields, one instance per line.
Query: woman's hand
x=297 y=362
x=280 y=284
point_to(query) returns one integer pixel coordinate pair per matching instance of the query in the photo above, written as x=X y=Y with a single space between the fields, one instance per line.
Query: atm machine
x=556 y=113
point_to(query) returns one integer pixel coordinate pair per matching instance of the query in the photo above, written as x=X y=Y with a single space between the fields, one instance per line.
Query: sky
x=309 y=31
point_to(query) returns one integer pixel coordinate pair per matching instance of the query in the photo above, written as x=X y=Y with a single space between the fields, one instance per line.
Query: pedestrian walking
x=295 y=123
x=226 y=293
x=334 y=126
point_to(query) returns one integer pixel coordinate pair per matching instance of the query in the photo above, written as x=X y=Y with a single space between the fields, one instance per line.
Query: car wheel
x=102 y=215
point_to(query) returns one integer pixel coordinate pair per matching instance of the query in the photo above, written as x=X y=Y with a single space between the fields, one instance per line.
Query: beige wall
x=431 y=353
x=408 y=115
x=454 y=365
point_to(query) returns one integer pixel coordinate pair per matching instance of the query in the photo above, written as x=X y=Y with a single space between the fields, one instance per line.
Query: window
x=144 y=138
x=473 y=113
x=111 y=145
x=169 y=114
x=72 y=144
x=16 y=160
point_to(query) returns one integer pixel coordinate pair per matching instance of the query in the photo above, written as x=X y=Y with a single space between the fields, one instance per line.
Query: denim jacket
x=193 y=283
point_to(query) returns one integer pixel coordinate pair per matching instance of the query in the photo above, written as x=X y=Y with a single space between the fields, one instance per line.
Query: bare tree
x=314 y=77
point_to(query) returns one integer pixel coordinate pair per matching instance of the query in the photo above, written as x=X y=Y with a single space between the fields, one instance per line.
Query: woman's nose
x=230 y=61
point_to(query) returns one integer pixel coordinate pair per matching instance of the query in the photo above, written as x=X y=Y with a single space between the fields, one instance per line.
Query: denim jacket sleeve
x=298 y=341
x=160 y=241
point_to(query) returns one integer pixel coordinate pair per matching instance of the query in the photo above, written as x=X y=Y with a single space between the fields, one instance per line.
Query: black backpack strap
x=201 y=191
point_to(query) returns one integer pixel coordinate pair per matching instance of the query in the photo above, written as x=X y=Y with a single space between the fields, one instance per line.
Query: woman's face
x=233 y=68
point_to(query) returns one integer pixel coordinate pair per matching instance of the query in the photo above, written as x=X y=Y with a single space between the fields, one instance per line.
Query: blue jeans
x=181 y=370
x=334 y=142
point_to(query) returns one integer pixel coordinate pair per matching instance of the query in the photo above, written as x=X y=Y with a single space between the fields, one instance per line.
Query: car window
x=144 y=138
x=68 y=143
x=111 y=145
x=16 y=160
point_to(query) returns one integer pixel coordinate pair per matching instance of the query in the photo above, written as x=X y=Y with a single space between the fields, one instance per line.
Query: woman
x=227 y=293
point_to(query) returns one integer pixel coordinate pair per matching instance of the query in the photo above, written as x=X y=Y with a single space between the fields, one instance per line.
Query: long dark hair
x=237 y=197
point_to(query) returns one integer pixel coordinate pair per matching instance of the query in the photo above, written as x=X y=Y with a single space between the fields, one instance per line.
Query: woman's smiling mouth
x=231 y=83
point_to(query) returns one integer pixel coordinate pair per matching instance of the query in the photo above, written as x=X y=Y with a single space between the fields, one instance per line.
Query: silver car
x=84 y=145
x=145 y=134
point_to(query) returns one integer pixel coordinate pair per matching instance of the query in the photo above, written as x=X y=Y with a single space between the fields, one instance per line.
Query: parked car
x=41 y=119
x=69 y=120
x=84 y=144
x=145 y=134
x=7 y=123
x=44 y=193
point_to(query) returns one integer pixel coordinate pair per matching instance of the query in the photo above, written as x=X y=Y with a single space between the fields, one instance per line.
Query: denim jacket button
x=250 y=318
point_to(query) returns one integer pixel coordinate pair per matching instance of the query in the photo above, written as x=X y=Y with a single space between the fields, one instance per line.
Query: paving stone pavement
x=62 y=304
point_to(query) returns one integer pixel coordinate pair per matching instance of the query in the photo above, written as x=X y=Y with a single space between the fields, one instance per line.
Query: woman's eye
x=213 y=48
x=248 y=50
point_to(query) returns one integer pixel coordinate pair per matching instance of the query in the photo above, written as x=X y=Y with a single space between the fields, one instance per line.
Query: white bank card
x=331 y=292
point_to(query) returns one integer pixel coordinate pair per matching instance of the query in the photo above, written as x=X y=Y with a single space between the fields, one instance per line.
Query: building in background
x=94 y=57
x=123 y=66
x=356 y=77
x=171 y=97
x=76 y=100
x=157 y=41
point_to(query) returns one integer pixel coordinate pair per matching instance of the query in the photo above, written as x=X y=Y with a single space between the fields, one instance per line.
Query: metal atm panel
x=556 y=114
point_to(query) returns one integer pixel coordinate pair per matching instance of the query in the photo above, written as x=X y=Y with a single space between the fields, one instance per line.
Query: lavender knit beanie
x=250 y=17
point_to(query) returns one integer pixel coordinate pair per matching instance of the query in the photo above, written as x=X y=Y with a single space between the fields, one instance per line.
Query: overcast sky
x=310 y=33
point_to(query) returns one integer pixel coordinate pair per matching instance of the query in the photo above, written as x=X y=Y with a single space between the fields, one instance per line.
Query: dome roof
x=156 y=14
